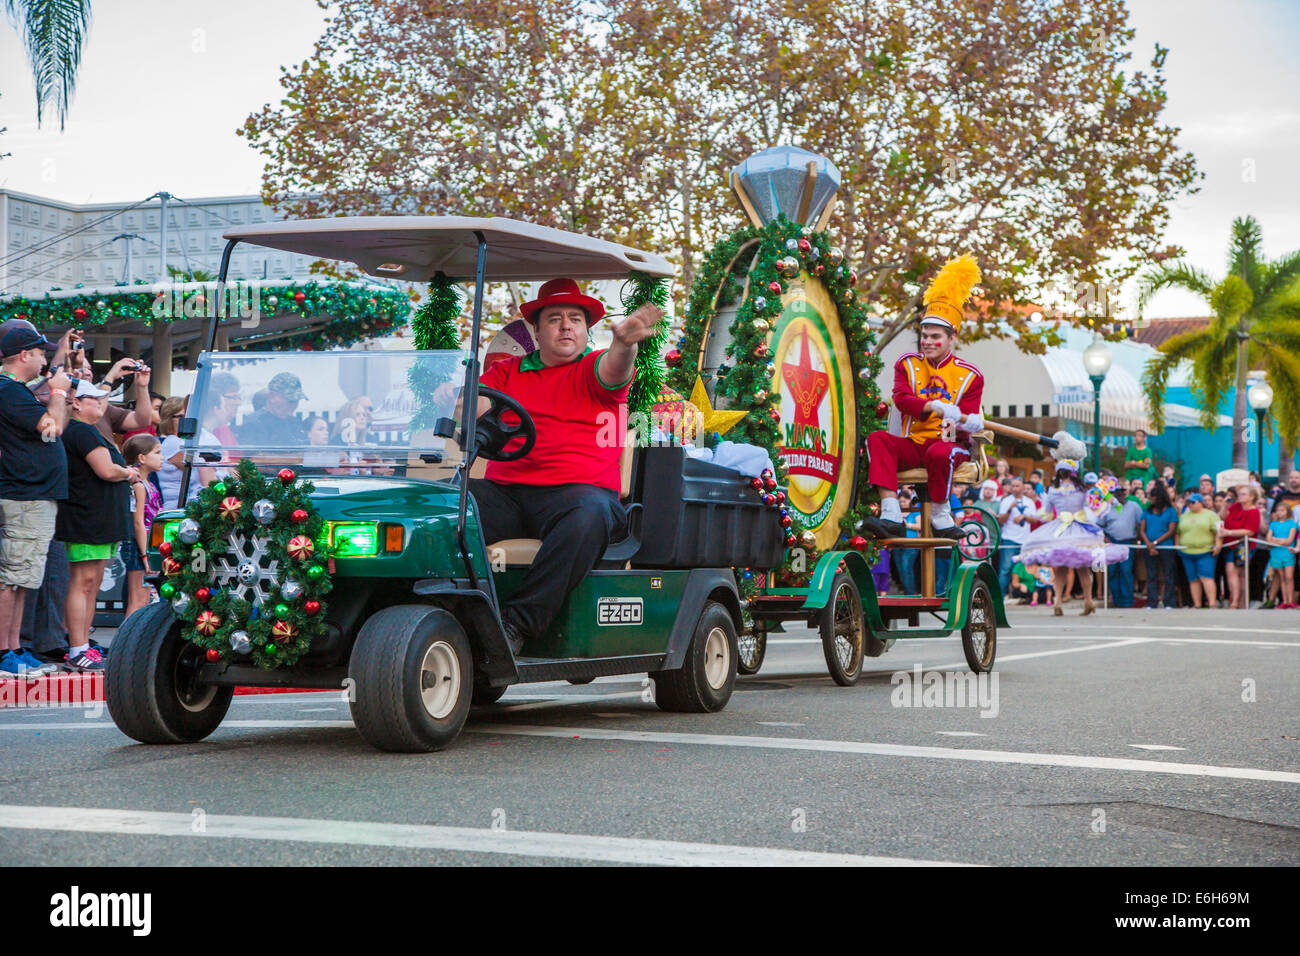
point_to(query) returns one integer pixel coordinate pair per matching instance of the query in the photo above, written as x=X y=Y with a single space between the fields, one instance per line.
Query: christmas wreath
x=771 y=256
x=246 y=570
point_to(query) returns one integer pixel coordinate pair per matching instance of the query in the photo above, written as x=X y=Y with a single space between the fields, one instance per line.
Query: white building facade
x=47 y=244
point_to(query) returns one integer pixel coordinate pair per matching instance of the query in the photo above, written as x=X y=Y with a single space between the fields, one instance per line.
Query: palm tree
x=53 y=32
x=1256 y=324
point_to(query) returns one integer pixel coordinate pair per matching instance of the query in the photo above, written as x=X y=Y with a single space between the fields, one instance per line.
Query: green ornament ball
x=167 y=590
x=315 y=571
x=219 y=487
x=282 y=611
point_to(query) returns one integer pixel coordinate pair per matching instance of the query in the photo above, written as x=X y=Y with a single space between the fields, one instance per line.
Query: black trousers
x=1163 y=560
x=574 y=523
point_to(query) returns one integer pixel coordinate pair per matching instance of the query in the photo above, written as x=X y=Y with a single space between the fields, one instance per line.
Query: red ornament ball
x=858 y=543
x=204 y=595
x=805 y=245
x=299 y=515
x=299 y=297
x=882 y=410
x=853 y=278
x=213 y=655
x=757 y=483
x=672 y=357
x=300 y=547
x=165 y=549
x=312 y=607
x=774 y=288
x=230 y=507
x=787 y=521
x=207 y=623
x=171 y=566
x=789 y=541
x=283 y=631
x=286 y=476
x=771 y=484
x=819 y=269
x=780 y=497
x=776 y=415
x=768 y=500
x=761 y=349
x=79 y=312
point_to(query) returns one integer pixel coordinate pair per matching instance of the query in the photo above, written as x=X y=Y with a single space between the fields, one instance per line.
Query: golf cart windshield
x=333 y=412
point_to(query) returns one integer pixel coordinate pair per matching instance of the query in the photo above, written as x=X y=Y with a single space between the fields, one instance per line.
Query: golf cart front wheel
x=413 y=673
x=979 y=637
x=704 y=682
x=151 y=682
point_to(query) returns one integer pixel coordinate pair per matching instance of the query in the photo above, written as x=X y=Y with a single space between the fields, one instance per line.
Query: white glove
x=974 y=422
x=949 y=411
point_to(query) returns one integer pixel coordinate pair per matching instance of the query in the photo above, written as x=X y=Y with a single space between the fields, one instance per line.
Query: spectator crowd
x=1187 y=547
x=87 y=462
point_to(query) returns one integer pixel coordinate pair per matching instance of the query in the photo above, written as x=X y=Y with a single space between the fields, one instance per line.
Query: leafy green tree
x=1256 y=325
x=1018 y=130
x=53 y=33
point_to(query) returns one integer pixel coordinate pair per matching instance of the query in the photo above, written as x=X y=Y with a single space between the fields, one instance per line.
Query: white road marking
x=896 y=750
x=1156 y=747
x=530 y=843
x=780 y=723
x=1002 y=659
x=960 y=733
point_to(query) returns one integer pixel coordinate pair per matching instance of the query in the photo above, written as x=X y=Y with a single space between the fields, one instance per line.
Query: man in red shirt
x=566 y=490
x=937 y=398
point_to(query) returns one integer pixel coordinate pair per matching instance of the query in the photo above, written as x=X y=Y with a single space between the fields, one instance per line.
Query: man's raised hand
x=639 y=325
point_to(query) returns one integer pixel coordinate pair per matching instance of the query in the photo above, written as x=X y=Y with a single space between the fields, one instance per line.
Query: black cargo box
x=698 y=515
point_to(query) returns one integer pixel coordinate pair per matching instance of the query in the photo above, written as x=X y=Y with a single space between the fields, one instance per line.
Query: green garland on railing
x=747 y=382
x=436 y=322
x=434 y=327
x=650 y=369
x=357 y=311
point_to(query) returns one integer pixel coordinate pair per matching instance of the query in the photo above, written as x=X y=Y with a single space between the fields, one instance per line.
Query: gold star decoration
x=714 y=420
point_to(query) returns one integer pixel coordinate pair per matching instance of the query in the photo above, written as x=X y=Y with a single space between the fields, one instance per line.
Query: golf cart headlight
x=163 y=531
x=354 y=539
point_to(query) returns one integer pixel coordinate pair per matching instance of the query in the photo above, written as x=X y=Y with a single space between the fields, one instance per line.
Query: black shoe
x=884 y=528
x=953 y=534
x=513 y=637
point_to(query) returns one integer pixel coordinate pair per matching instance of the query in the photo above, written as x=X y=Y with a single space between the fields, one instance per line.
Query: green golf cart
x=411 y=624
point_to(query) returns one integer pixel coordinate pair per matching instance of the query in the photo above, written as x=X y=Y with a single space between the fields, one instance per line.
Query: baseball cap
x=20 y=337
x=288 y=385
x=1090 y=477
x=86 y=389
x=1196 y=496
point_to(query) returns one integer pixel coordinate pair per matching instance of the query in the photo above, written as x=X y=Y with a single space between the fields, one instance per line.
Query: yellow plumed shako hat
x=949 y=291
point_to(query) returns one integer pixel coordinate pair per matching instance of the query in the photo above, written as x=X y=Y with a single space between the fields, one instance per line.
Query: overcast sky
x=164 y=84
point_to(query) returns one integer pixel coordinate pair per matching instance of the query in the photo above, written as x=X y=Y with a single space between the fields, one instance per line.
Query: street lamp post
x=1260 y=397
x=1096 y=362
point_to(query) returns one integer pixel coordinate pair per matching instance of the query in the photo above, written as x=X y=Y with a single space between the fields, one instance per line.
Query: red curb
x=89 y=689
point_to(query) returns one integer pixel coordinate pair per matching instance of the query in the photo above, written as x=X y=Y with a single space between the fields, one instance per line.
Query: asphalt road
x=1126 y=738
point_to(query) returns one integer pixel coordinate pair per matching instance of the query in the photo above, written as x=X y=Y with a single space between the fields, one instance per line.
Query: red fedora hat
x=563 y=292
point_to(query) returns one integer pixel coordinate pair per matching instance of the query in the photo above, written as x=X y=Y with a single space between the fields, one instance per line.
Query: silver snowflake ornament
x=246 y=570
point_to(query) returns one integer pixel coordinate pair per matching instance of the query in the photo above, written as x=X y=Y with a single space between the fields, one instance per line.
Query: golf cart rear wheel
x=151 y=682
x=979 y=637
x=843 y=631
x=752 y=649
x=707 y=676
x=413 y=674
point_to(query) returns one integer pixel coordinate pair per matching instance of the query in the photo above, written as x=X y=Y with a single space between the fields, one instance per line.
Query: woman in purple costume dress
x=1072 y=538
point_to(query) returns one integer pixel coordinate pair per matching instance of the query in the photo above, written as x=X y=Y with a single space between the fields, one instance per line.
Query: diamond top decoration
x=786 y=179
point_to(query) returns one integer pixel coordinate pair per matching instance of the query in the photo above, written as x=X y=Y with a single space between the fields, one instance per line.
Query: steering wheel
x=492 y=434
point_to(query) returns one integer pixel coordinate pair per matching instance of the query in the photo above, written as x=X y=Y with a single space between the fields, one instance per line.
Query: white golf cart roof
x=416 y=248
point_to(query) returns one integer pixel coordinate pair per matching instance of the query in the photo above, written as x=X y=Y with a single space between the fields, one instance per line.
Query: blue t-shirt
x=1281 y=530
x=1157 y=523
